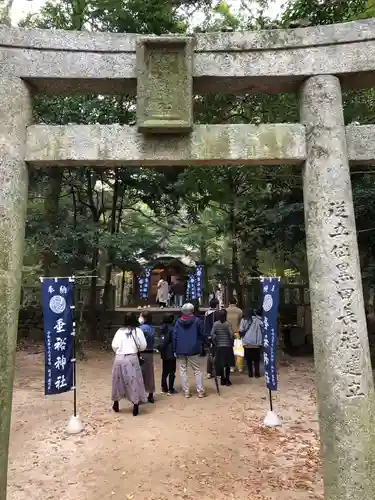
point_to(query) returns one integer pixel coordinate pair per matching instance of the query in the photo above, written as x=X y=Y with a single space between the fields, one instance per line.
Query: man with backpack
x=212 y=315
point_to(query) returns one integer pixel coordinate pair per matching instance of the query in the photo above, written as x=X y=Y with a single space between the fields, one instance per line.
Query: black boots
x=150 y=398
x=225 y=381
x=225 y=378
x=135 y=410
x=116 y=408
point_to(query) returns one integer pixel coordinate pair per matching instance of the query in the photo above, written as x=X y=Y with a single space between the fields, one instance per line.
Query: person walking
x=178 y=291
x=165 y=347
x=145 y=320
x=234 y=316
x=162 y=295
x=127 y=379
x=210 y=317
x=219 y=296
x=187 y=344
x=251 y=332
x=222 y=338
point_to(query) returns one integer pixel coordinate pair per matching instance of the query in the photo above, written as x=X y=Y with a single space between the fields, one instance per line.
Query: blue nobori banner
x=199 y=281
x=57 y=300
x=191 y=292
x=144 y=283
x=195 y=284
x=270 y=293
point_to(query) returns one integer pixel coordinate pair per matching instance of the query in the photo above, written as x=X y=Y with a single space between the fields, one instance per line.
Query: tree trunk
x=122 y=288
x=111 y=250
x=92 y=305
x=203 y=260
x=51 y=215
x=235 y=271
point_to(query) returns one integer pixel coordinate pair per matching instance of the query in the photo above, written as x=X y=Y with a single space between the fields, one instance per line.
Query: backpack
x=254 y=333
x=209 y=320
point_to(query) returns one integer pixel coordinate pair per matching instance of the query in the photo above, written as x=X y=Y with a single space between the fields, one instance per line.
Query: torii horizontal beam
x=111 y=146
x=63 y=62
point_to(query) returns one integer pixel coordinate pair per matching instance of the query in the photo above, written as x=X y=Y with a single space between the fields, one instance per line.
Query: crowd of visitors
x=184 y=340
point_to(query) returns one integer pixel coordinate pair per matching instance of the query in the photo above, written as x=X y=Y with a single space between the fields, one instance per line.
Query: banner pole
x=74 y=358
x=270 y=396
x=74 y=361
x=75 y=425
x=270 y=302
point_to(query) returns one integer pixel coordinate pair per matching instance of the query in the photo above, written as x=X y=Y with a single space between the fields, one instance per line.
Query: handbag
x=141 y=359
x=238 y=348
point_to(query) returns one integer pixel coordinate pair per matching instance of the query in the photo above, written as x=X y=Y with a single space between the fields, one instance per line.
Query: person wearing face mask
x=145 y=321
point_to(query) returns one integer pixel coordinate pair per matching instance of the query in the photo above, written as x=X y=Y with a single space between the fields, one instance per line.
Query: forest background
x=240 y=222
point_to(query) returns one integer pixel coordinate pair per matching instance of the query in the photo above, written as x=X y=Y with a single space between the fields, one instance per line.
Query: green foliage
x=323 y=11
x=230 y=218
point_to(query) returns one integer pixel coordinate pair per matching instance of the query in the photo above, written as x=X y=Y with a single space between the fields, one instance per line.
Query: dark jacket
x=149 y=333
x=209 y=319
x=187 y=336
x=222 y=334
x=178 y=288
x=165 y=346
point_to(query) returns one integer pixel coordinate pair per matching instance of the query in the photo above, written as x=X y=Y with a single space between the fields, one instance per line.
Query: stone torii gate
x=167 y=72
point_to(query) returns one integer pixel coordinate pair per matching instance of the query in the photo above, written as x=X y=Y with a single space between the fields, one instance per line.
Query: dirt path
x=215 y=448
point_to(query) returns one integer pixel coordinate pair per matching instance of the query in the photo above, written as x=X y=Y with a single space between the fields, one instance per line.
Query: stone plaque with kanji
x=164 y=84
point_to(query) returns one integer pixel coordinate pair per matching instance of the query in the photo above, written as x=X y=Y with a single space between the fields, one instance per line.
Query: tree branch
x=157 y=223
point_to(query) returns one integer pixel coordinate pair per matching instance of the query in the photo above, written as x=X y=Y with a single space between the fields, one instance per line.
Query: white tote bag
x=238 y=348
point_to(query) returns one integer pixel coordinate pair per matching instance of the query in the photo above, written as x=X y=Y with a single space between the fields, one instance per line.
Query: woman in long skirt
x=222 y=338
x=127 y=379
x=148 y=330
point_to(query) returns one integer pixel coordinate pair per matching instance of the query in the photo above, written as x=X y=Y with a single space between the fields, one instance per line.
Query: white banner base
x=75 y=425
x=272 y=419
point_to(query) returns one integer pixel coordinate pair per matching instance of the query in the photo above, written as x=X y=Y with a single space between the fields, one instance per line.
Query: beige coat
x=163 y=291
x=234 y=315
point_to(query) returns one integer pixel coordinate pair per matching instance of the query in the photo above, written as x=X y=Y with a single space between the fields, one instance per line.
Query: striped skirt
x=127 y=379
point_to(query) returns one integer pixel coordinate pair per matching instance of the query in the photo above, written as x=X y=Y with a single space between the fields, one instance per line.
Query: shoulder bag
x=141 y=359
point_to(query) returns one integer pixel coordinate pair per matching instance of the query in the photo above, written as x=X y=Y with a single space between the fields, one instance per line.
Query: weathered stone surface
x=357 y=31
x=345 y=390
x=15 y=115
x=272 y=60
x=113 y=145
x=165 y=84
x=361 y=144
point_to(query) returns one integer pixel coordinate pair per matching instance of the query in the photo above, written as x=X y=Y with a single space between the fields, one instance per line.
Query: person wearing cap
x=187 y=343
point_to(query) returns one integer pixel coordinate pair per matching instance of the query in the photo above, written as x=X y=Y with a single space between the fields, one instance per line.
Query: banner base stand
x=75 y=425
x=272 y=419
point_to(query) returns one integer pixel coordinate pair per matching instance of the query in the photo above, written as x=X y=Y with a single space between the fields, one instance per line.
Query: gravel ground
x=202 y=449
